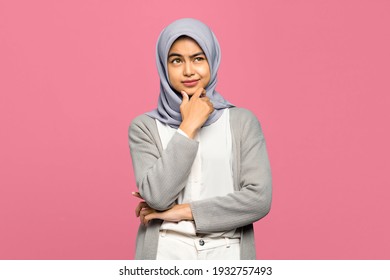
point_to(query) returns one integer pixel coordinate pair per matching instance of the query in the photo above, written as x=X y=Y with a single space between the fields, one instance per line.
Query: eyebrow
x=191 y=56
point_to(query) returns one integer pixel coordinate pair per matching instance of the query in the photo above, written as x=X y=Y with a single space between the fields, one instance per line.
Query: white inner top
x=211 y=173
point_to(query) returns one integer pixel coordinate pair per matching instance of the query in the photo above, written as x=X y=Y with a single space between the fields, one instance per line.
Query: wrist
x=186 y=212
x=188 y=129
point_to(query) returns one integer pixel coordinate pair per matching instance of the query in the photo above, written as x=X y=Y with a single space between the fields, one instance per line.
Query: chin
x=191 y=91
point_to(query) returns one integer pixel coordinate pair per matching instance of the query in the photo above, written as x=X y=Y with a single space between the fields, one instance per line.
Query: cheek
x=206 y=74
x=172 y=76
x=205 y=69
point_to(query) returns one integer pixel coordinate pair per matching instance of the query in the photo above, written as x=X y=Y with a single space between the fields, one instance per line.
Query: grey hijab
x=168 y=110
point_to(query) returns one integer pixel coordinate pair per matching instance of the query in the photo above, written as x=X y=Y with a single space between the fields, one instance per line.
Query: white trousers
x=176 y=246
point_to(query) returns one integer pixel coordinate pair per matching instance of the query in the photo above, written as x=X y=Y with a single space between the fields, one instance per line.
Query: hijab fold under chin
x=168 y=110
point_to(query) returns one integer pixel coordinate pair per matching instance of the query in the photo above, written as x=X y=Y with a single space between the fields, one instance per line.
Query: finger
x=146 y=211
x=150 y=217
x=203 y=94
x=198 y=93
x=147 y=216
x=185 y=97
x=136 y=194
x=142 y=218
x=208 y=102
x=139 y=207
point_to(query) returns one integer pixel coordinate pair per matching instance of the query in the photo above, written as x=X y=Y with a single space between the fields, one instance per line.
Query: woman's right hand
x=194 y=111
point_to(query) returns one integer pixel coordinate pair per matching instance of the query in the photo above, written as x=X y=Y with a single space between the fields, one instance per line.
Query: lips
x=190 y=83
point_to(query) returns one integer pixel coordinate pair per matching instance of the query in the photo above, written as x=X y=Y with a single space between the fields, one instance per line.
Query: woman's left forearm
x=179 y=212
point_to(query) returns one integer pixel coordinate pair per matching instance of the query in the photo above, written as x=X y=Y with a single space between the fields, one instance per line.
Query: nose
x=188 y=69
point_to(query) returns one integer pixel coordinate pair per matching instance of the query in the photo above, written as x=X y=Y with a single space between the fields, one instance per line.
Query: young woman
x=200 y=164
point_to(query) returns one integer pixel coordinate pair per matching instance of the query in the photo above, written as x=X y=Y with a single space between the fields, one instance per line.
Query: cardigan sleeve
x=160 y=176
x=253 y=201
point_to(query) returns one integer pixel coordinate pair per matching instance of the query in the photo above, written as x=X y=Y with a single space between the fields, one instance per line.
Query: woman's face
x=188 y=68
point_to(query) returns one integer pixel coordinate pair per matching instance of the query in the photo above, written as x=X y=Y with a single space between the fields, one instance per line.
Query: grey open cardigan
x=162 y=174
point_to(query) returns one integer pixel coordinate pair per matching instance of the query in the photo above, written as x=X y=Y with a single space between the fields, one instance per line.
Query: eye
x=176 y=60
x=199 y=58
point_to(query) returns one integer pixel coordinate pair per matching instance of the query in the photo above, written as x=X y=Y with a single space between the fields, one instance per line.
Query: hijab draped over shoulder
x=168 y=110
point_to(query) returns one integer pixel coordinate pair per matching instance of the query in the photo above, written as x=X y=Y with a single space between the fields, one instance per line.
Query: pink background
x=73 y=74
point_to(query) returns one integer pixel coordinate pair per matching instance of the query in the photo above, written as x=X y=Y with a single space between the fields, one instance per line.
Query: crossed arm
x=177 y=213
x=161 y=177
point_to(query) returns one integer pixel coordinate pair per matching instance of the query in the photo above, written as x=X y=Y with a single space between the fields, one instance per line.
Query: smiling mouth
x=190 y=83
